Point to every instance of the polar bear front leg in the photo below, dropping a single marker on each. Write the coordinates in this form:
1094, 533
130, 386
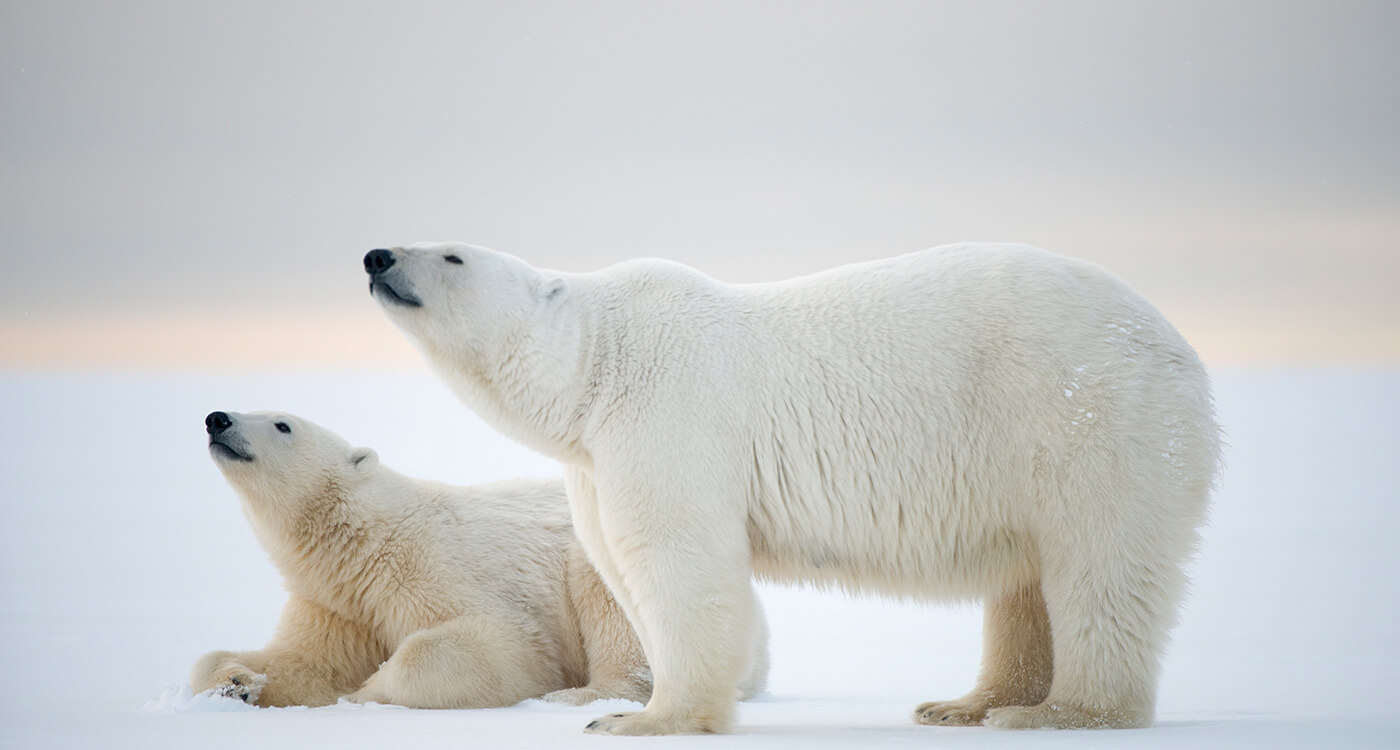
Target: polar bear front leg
756, 675
314, 657
681, 561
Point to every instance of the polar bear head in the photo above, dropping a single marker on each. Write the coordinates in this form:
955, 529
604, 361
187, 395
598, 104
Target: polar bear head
463, 303
281, 464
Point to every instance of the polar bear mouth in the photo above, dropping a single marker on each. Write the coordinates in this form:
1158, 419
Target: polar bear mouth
226, 451
388, 294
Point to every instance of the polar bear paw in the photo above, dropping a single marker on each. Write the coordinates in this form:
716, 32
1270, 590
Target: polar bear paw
241, 683
579, 696
224, 673
368, 694
627, 690
1055, 716
650, 723
959, 713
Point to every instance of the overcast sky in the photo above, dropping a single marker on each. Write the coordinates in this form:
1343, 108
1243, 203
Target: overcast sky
226, 162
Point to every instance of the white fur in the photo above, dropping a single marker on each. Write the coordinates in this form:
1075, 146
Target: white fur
986, 422
468, 596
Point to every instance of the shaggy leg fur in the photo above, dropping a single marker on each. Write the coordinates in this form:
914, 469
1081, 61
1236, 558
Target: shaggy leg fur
1016, 661
1109, 613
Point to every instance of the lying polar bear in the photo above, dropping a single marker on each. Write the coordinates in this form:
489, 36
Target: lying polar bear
417, 593
987, 422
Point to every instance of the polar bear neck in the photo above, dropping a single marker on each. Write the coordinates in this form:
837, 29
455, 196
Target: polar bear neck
536, 388
331, 548
553, 387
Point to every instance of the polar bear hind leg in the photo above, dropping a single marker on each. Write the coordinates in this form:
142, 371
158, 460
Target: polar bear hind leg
468, 662
1016, 661
1111, 597
1105, 658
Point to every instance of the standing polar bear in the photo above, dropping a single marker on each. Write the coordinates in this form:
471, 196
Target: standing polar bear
416, 593
986, 422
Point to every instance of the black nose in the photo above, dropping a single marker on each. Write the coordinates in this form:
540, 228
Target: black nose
217, 422
378, 260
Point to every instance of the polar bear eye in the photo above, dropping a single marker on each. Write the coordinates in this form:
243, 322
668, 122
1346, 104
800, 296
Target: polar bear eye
452, 259
284, 427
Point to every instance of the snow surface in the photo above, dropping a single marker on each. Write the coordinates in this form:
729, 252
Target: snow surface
124, 557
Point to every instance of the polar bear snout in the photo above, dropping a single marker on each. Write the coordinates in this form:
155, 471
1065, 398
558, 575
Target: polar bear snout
217, 422
224, 439
377, 261
388, 286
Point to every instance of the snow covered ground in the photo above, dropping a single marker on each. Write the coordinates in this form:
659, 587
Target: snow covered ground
123, 557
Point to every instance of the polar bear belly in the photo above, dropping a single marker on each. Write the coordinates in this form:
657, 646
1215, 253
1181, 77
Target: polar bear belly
904, 511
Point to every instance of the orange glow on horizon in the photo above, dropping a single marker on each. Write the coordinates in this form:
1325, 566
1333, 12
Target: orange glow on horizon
1248, 336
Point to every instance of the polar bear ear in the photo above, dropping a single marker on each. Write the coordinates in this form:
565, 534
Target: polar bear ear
553, 291
363, 458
